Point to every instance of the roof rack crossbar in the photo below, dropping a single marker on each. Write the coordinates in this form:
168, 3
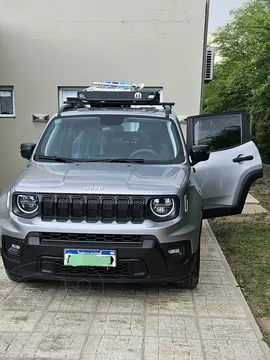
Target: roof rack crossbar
72, 103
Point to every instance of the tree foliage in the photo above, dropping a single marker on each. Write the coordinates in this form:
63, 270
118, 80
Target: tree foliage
242, 77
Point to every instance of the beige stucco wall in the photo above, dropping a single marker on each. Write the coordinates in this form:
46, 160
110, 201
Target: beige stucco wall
44, 45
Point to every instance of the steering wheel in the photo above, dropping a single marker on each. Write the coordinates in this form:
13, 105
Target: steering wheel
153, 154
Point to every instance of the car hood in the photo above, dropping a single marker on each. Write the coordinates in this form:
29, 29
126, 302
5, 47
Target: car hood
102, 178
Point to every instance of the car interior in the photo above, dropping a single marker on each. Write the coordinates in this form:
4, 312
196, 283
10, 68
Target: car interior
132, 138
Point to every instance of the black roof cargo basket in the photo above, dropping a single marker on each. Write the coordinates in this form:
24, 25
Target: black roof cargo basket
143, 96
115, 94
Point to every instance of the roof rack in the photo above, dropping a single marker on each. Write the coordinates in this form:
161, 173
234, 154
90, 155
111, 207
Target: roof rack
116, 94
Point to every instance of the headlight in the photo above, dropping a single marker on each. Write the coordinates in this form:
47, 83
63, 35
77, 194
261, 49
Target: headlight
27, 204
162, 207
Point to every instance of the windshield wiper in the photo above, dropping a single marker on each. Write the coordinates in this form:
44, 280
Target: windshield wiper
54, 158
66, 160
139, 161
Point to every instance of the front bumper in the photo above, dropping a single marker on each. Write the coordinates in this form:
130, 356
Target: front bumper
141, 260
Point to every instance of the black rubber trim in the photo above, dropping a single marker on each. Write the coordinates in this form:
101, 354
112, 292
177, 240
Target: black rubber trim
219, 211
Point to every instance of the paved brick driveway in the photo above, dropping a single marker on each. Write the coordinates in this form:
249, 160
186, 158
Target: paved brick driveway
54, 321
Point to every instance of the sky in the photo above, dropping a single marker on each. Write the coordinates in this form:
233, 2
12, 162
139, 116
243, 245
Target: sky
220, 12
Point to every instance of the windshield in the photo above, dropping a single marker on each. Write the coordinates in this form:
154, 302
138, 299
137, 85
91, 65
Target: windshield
111, 137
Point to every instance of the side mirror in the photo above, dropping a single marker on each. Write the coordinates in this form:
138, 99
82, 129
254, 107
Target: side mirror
27, 150
199, 153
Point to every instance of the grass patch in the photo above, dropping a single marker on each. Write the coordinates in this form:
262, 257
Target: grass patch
246, 245
245, 241
262, 193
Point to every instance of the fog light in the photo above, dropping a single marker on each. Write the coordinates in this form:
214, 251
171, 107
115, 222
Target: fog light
175, 251
15, 246
12, 246
14, 249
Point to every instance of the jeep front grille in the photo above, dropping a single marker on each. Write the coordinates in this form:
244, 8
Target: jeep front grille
79, 208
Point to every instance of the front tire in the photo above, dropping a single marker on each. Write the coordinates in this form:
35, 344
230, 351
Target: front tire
14, 278
192, 280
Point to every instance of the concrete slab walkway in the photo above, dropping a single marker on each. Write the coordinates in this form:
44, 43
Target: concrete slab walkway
253, 206
57, 321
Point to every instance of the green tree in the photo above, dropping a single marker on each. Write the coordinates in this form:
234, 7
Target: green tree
242, 77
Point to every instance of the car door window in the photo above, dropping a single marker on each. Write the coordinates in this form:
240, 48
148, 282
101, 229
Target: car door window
219, 131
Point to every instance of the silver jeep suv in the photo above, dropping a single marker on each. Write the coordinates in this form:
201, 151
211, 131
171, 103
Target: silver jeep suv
113, 192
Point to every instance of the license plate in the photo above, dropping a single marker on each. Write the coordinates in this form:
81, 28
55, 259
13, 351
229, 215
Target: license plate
102, 258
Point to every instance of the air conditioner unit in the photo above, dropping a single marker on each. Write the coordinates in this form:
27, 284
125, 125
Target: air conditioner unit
209, 65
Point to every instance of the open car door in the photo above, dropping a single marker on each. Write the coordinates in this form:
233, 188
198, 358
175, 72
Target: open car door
234, 162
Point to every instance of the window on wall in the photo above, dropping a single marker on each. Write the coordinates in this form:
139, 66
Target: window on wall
65, 92
7, 102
